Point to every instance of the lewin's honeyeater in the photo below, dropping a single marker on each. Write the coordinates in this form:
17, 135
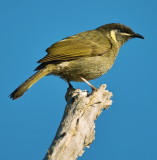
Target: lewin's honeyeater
81, 57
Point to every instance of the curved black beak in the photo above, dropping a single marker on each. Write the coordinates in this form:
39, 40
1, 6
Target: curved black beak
136, 35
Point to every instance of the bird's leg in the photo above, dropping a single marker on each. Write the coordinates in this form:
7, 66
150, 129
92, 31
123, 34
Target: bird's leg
93, 88
70, 85
69, 92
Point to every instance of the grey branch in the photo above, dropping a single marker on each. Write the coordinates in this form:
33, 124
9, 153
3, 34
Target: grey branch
76, 130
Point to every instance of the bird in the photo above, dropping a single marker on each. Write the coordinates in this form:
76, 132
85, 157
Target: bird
81, 57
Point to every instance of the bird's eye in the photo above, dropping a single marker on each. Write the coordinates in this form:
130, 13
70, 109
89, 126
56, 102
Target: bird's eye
120, 30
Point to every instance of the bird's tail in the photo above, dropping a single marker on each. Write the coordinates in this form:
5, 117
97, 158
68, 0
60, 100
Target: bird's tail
30, 81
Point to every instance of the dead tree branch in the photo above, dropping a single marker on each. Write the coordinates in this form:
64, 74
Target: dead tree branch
76, 130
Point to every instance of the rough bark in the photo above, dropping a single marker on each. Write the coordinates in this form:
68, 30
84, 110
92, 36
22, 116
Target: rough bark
77, 128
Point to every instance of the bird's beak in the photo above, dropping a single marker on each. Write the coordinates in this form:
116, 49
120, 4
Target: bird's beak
136, 35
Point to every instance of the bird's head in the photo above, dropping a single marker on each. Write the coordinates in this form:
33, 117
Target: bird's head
119, 32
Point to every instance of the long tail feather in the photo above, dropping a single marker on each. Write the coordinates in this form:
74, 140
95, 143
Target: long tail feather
29, 82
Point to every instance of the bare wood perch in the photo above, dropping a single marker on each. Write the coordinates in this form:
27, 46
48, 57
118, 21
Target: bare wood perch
76, 130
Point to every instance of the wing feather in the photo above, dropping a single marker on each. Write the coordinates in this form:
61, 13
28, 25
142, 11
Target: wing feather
80, 45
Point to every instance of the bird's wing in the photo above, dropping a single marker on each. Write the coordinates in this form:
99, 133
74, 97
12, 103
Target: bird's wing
85, 44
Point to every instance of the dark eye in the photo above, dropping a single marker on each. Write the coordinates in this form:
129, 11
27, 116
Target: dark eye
121, 30
124, 30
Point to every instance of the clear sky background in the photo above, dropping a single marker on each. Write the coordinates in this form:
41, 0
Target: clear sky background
128, 129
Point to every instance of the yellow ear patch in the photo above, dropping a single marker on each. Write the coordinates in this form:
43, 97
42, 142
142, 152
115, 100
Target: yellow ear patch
113, 35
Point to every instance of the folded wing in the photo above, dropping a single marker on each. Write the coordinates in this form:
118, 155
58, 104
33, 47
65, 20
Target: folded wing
84, 44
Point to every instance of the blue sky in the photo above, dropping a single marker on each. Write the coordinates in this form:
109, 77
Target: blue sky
128, 129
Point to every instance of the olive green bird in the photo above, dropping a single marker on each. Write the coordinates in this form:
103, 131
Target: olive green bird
81, 57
